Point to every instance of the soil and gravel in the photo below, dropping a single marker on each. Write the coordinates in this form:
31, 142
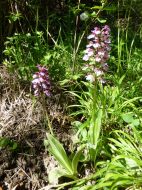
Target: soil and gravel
24, 161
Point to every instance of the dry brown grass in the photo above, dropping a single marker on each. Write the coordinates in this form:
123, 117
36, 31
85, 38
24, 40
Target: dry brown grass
22, 121
17, 113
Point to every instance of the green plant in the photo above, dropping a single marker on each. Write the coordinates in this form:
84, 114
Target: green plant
7, 143
90, 131
124, 169
68, 167
23, 52
126, 160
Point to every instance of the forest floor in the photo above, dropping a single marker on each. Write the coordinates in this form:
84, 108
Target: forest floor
24, 161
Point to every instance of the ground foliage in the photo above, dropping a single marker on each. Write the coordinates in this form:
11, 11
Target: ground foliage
85, 135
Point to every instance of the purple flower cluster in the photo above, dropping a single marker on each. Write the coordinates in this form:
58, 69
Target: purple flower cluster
97, 53
41, 82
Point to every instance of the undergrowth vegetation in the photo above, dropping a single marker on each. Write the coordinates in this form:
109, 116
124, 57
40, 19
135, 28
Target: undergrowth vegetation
90, 53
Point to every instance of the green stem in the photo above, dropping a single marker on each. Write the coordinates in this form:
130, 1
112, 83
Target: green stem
84, 180
49, 123
47, 116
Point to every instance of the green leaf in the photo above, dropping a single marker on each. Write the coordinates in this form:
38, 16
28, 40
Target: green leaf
94, 133
55, 174
46, 143
94, 14
110, 8
129, 102
59, 153
65, 81
128, 117
76, 158
131, 162
98, 121
101, 20
76, 124
123, 181
97, 7
14, 146
101, 185
136, 122
95, 128
77, 76
4, 142
7, 143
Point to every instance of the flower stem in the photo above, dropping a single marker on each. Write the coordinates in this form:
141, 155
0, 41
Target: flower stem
47, 115
49, 123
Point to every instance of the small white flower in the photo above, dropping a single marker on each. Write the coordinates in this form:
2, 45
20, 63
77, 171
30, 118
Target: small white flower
42, 74
98, 59
97, 32
89, 45
41, 80
86, 58
34, 86
90, 78
107, 41
90, 53
90, 36
88, 50
44, 86
35, 76
98, 72
36, 81
96, 45
102, 81
101, 53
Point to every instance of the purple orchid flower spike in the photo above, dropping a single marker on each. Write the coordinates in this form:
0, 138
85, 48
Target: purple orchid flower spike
97, 52
41, 81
